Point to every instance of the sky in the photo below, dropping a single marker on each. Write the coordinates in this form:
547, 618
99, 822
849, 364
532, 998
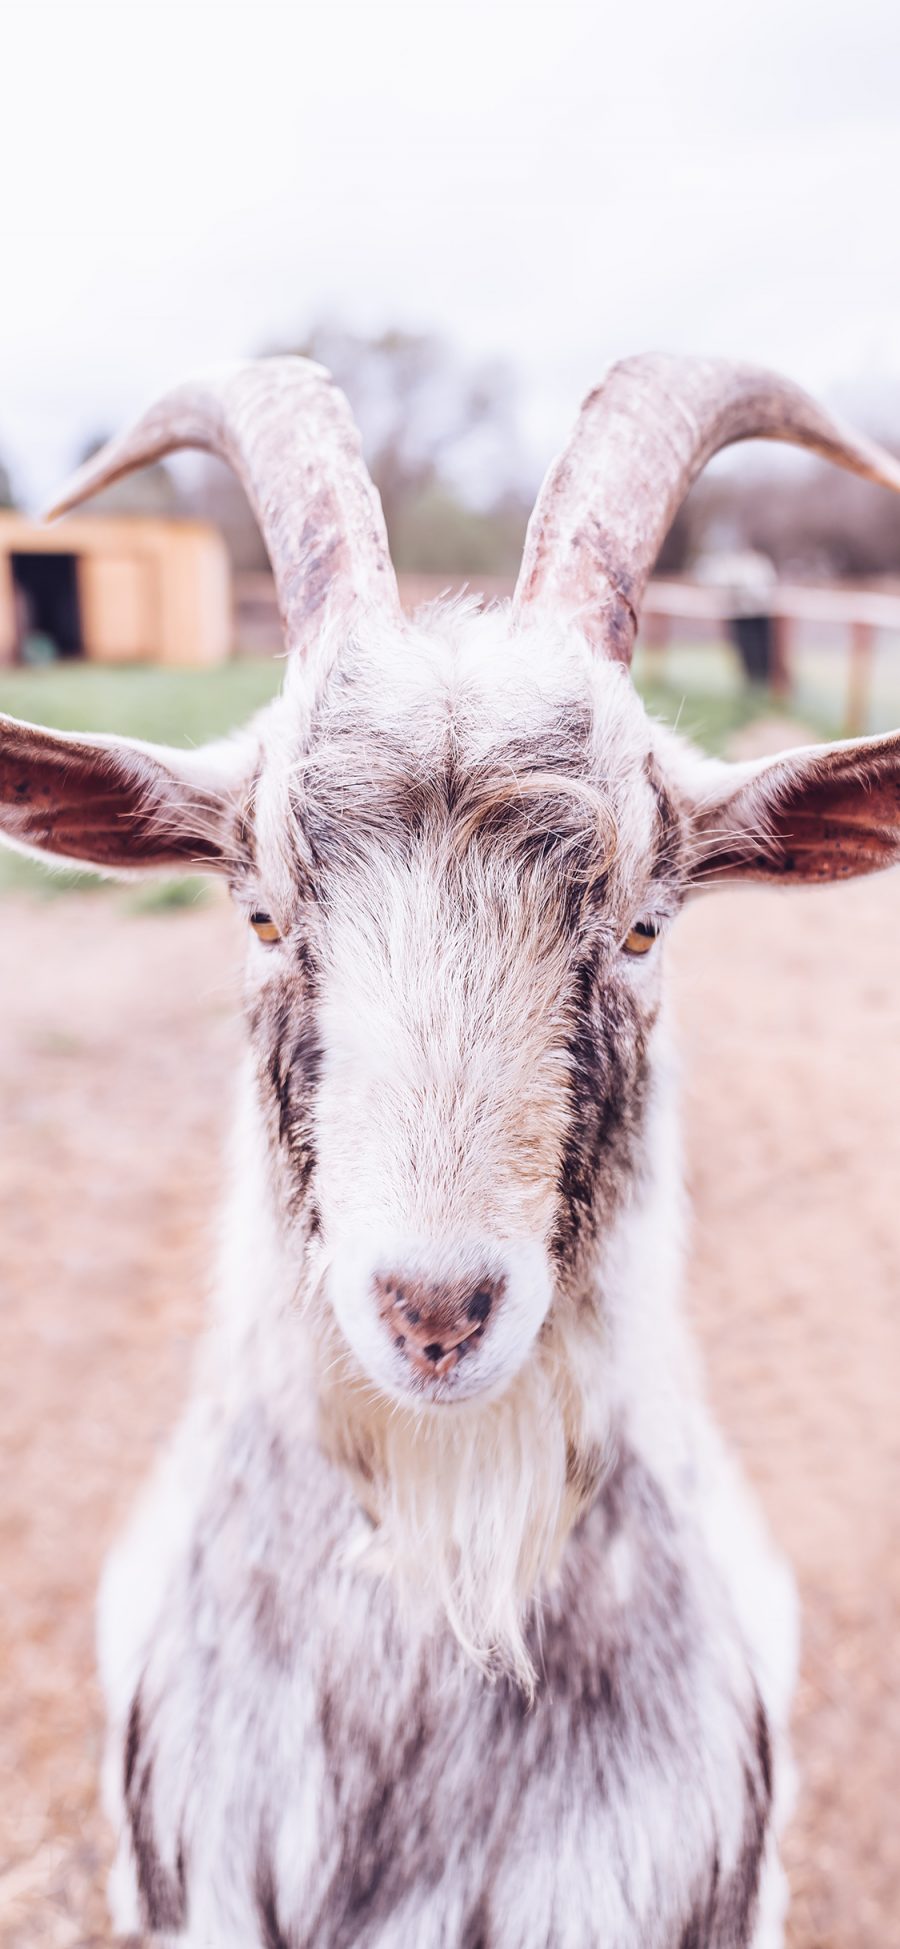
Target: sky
549, 182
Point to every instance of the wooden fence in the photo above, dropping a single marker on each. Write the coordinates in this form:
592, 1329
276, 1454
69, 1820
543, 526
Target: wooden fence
864, 614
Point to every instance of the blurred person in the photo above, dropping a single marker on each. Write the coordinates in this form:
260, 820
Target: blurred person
748, 579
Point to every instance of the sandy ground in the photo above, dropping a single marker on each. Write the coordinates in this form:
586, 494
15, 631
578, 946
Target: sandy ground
116, 1039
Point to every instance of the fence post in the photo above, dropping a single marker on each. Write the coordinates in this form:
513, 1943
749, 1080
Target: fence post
781, 676
859, 684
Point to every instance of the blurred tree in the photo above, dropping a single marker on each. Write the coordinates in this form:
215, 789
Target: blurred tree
217, 495
7, 494
813, 520
439, 441
679, 544
152, 491
436, 533
420, 411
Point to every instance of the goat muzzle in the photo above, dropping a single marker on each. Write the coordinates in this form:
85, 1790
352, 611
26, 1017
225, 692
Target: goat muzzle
435, 1325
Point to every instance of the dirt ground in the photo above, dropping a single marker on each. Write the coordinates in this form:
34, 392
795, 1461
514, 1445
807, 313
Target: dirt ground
116, 1039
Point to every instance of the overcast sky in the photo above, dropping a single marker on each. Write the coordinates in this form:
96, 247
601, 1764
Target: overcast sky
554, 182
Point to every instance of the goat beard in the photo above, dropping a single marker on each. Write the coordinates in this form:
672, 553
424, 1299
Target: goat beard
471, 1509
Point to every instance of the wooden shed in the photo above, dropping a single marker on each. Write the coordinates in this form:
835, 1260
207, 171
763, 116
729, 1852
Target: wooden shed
114, 588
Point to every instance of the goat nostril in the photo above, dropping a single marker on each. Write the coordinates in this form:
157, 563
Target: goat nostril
434, 1351
479, 1307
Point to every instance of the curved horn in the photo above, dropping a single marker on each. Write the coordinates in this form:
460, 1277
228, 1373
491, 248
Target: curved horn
289, 434
640, 440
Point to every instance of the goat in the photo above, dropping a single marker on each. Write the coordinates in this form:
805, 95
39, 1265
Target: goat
447, 1622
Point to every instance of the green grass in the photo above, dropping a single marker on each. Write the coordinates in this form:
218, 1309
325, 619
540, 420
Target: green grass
704, 716
166, 706
697, 689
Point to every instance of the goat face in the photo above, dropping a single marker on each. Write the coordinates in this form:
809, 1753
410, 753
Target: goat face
458, 839
464, 845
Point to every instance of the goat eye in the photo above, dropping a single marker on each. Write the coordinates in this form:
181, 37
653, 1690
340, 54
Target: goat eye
641, 938
264, 928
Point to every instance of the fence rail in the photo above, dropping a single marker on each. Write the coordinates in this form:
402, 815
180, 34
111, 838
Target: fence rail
865, 614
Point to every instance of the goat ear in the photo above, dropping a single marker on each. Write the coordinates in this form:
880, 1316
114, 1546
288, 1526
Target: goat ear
829, 812
118, 805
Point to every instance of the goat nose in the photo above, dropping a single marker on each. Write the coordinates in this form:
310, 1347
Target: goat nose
435, 1325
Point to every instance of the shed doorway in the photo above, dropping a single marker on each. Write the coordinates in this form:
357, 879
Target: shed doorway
48, 612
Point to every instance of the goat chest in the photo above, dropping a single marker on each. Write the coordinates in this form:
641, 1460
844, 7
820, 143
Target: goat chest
300, 1765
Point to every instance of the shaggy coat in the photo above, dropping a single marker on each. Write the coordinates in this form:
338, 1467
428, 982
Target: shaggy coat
380, 1675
